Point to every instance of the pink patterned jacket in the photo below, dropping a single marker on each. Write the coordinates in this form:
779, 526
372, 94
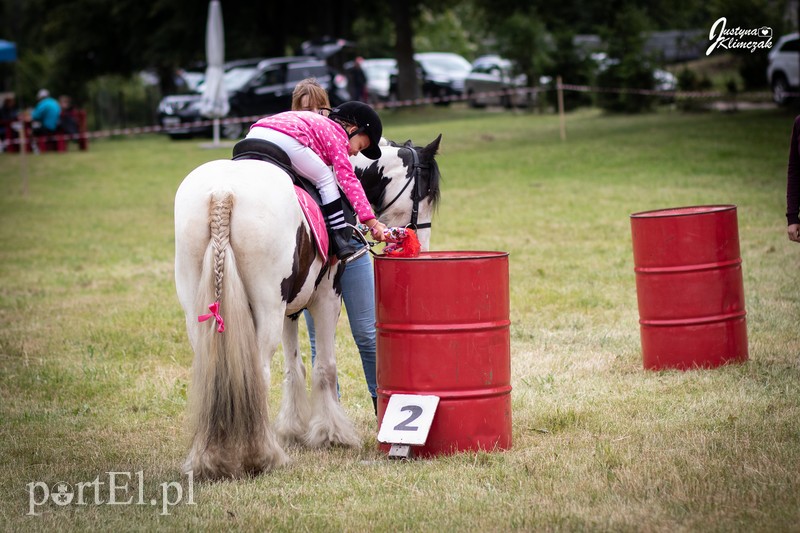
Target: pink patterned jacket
329, 141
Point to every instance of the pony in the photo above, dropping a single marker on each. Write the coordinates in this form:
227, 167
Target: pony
244, 252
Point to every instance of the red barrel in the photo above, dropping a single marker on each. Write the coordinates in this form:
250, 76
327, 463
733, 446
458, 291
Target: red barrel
443, 330
689, 287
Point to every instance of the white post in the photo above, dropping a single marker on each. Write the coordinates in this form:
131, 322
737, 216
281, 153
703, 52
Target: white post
216, 131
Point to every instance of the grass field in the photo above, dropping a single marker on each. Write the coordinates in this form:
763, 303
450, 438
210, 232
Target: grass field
94, 361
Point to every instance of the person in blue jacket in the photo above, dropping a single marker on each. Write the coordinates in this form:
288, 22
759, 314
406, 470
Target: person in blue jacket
47, 113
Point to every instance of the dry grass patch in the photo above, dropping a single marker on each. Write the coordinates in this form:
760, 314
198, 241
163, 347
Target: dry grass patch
94, 361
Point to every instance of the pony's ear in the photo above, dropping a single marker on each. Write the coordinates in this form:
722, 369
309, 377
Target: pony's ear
408, 144
433, 148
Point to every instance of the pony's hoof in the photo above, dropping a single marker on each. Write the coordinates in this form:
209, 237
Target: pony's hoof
213, 464
322, 437
291, 440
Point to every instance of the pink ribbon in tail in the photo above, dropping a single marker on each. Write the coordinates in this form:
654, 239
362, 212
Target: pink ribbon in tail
214, 308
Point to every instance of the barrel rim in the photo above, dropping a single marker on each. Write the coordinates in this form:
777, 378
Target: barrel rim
690, 210
440, 255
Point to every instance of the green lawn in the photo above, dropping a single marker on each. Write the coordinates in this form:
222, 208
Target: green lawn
94, 360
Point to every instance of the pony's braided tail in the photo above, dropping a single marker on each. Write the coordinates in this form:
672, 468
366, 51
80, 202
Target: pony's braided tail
220, 223
228, 402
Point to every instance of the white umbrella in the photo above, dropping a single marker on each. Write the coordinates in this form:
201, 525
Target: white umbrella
214, 103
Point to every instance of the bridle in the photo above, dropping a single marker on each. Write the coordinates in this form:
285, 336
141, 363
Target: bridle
416, 196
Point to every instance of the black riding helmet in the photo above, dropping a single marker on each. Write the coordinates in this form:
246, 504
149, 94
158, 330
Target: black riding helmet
367, 121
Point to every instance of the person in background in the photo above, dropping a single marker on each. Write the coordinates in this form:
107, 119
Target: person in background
793, 184
69, 124
9, 111
47, 113
8, 114
358, 285
358, 81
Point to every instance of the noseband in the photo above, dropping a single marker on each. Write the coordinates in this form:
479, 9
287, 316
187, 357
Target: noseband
416, 196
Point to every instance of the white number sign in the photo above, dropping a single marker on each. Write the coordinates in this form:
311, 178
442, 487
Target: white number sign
408, 419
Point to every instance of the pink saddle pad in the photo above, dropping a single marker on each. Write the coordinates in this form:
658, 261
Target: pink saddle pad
315, 219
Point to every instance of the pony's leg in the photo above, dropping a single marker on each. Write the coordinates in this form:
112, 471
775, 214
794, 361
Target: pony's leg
329, 424
292, 422
268, 334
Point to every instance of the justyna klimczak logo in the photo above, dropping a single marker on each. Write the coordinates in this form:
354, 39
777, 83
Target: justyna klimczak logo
116, 488
738, 38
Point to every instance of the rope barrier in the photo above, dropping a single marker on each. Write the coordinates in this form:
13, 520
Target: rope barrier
526, 93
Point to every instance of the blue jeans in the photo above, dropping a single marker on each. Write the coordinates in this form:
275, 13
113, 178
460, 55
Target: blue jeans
358, 293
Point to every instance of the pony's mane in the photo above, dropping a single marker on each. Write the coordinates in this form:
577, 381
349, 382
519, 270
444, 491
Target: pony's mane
433, 185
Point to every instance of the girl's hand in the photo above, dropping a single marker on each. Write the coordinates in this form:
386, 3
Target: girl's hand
377, 228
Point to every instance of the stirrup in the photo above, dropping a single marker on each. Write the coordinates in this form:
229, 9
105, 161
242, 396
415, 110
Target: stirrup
354, 255
361, 251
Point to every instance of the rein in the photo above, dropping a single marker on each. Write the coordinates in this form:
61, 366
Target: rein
415, 195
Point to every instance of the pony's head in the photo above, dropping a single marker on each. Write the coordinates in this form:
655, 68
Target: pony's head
403, 185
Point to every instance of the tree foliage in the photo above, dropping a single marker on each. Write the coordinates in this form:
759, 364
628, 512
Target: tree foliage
628, 66
66, 43
78, 40
454, 30
523, 38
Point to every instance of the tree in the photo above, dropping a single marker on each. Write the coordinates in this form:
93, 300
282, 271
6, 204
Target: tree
522, 37
456, 29
627, 66
403, 12
574, 66
79, 40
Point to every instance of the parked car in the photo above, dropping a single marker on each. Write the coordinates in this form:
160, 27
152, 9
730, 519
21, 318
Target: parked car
190, 80
663, 80
335, 52
378, 73
489, 76
783, 72
253, 90
441, 74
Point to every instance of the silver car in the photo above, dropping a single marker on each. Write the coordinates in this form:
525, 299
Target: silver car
490, 81
783, 72
378, 73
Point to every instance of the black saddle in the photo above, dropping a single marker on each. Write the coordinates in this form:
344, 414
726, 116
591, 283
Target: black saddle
267, 151
262, 150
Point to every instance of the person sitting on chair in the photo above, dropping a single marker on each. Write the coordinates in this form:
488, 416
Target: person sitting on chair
313, 142
47, 112
68, 123
8, 114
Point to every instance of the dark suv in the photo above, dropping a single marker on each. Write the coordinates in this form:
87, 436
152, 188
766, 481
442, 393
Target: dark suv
253, 90
441, 74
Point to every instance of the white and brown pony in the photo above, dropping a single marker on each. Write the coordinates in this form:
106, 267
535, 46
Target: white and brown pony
245, 267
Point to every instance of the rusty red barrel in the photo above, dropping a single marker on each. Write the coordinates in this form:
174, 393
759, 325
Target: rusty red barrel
443, 330
689, 287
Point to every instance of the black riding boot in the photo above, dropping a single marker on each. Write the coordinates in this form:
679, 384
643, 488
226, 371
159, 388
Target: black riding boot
339, 233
